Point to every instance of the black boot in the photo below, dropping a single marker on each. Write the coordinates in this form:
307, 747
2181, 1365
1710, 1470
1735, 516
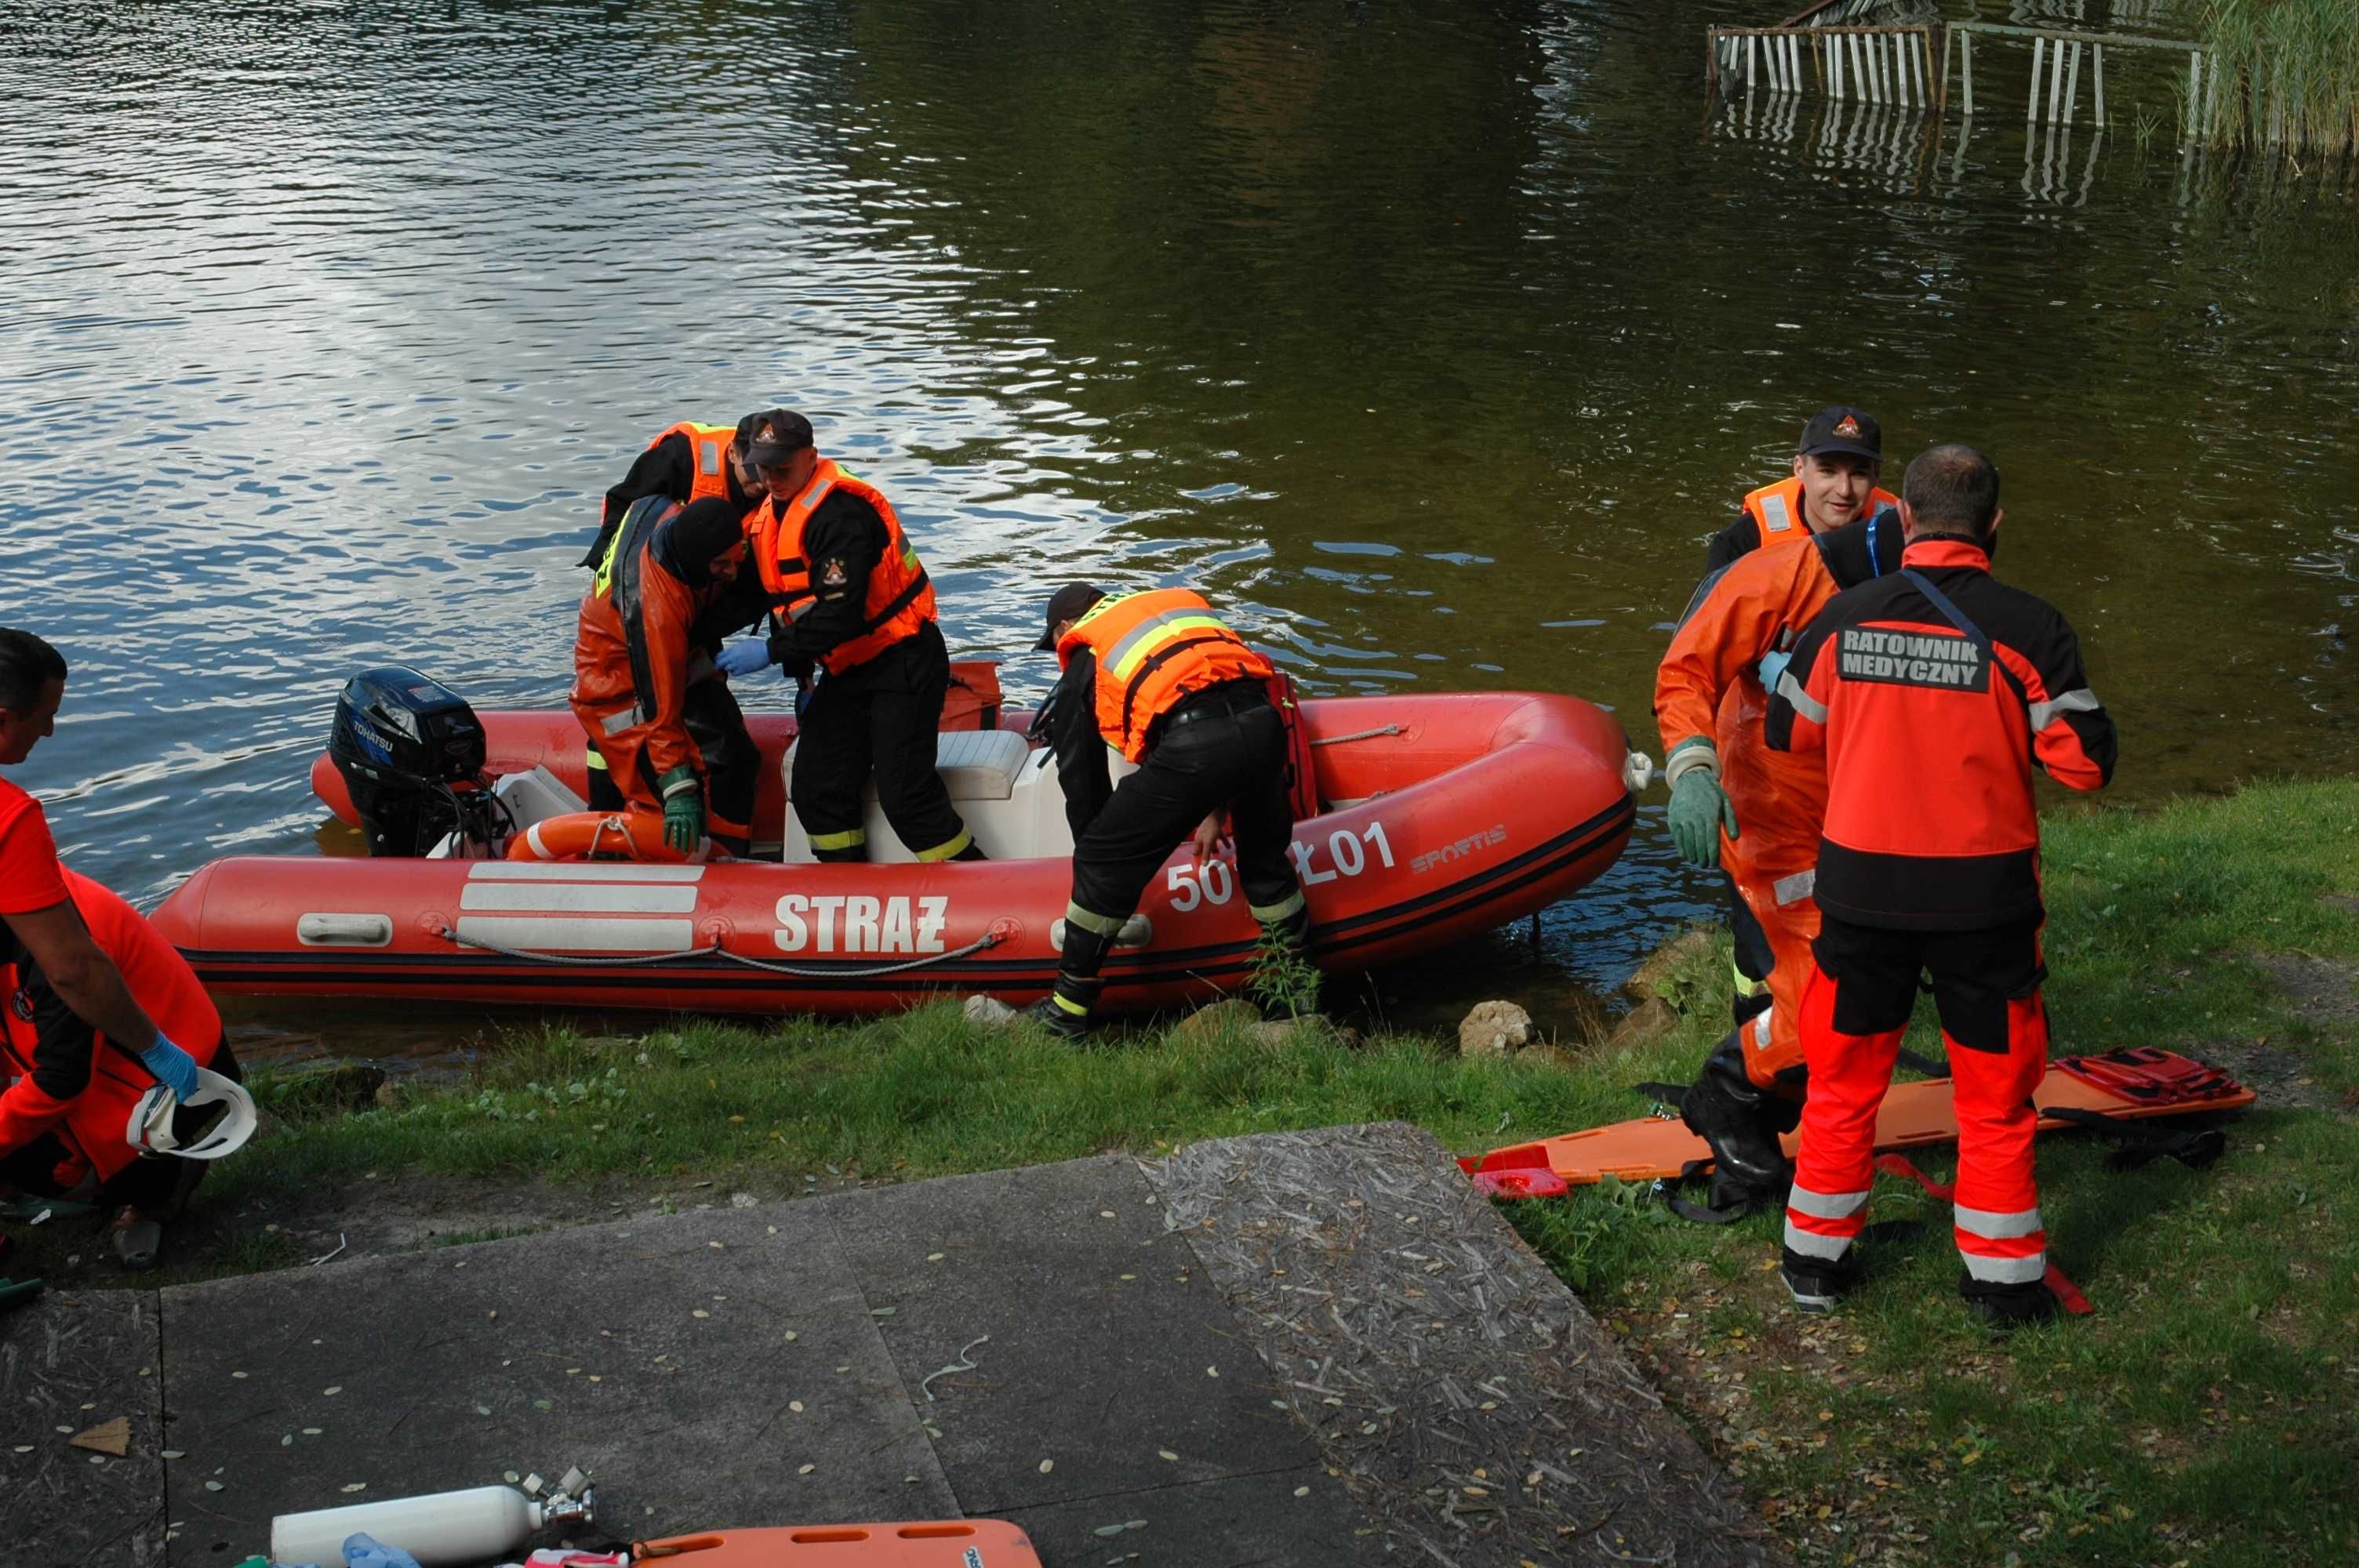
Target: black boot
2005, 1308
974, 852
1741, 1122
1065, 1011
1818, 1284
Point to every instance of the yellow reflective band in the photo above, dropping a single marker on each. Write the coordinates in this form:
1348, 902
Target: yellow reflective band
1066, 1004
597, 760
1140, 648
851, 840
1090, 920
944, 851
1270, 914
1746, 985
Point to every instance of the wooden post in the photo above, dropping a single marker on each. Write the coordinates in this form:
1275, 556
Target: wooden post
1834, 67
1752, 54
1966, 80
2073, 84
2055, 78
2195, 93
2032, 113
2097, 75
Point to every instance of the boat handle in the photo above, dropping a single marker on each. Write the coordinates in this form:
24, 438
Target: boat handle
344, 931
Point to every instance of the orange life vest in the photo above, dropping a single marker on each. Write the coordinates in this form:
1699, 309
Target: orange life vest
1153, 649
709, 444
900, 598
1776, 511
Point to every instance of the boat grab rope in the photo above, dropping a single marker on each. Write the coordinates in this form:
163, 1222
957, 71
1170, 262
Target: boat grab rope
1354, 735
576, 960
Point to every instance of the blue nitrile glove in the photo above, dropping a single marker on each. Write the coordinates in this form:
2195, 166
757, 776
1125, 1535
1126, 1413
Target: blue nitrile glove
683, 804
1772, 669
173, 1067
362, 1549
743, 656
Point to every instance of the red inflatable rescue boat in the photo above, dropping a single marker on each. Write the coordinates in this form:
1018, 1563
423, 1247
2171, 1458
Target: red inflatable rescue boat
1438, 817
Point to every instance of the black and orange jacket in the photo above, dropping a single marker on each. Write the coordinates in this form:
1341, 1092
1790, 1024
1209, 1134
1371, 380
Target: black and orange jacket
1931, 824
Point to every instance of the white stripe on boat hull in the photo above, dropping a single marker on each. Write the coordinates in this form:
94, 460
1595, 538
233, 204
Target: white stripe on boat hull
562, 935
583, 898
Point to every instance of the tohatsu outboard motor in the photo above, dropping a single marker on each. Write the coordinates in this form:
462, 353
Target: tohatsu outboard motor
411, 754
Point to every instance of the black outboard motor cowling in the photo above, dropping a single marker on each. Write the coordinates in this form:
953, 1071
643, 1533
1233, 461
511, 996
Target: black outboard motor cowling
411, 754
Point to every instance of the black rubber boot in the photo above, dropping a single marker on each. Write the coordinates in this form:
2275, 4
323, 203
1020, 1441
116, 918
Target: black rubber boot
2005, 1308
1065, 1011
1741, 1122
974, 852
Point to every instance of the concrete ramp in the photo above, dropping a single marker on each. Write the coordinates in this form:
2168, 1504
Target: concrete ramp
1316, 1349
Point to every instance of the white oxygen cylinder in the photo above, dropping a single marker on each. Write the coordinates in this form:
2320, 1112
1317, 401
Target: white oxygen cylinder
443, 1530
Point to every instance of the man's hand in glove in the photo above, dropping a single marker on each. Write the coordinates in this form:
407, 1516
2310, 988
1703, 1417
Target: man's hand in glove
745, 657
683, 806
1698, 805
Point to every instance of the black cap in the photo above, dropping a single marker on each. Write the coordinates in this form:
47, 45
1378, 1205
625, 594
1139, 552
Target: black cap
1070, 603
1842, 430
773, 436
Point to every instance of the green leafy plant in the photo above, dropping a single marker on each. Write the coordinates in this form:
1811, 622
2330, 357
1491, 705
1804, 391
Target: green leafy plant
1284, 979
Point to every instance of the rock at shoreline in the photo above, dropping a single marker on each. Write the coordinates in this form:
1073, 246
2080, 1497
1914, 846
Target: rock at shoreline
1495, 1029
988, 1012
1234, 1013
1650, 1021
1654, 977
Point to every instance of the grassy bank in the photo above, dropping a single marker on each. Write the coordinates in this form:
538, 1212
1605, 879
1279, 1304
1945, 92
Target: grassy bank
2205, 1415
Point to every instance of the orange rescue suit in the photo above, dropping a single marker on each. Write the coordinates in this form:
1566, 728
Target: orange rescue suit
1709, 686
1152, 649
900, 598
90, 1115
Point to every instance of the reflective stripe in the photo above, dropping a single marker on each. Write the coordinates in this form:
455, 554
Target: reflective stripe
1090, 920
1744, 984
1811, 1244
945, 851
616, 724
1796, 888
1774, 514
1067, 1004
1825, 1205
2082, 700
819, 487
1761, 1029
597, 760
2006, 1271
1809, 706
708, 456
852, 840
1997, 1225
1143, 639
1271, 913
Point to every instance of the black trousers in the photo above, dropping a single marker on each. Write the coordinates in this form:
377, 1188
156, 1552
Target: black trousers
883, 714
150, 1183
733, 763
1237, 760
1974, 976
1753, 959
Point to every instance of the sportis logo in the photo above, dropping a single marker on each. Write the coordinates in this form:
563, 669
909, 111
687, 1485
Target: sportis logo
1936, 660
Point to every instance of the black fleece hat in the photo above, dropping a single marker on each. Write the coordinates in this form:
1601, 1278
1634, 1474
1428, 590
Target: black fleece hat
1070, 603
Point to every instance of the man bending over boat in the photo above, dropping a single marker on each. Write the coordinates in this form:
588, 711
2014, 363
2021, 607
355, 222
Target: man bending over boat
78, 967
657, 713
1157, 676
1761, 817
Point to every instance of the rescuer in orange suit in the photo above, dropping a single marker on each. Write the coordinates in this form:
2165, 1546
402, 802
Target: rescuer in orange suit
1836, 464
1932, 692
656, 711
847, 595
1709, 694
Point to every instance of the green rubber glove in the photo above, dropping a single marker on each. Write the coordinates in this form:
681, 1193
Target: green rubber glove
683, 804
1698, 807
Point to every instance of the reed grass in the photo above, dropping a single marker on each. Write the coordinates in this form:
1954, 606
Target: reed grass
2287, 76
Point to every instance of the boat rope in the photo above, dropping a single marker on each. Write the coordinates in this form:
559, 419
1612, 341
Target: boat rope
576, 960
1354, 735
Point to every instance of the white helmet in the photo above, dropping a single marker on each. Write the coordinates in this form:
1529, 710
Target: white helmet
150, 1129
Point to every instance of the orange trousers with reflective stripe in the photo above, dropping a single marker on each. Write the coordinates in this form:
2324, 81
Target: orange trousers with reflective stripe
1852, 1023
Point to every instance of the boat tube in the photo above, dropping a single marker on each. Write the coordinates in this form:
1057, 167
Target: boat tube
1440, 818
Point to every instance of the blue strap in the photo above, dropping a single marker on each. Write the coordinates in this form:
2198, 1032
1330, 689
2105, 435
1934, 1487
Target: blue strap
1875, 567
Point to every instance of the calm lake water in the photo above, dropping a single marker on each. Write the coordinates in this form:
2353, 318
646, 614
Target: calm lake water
1430, 339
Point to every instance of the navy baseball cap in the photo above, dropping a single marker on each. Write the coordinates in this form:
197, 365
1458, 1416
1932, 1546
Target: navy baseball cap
1842, 430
